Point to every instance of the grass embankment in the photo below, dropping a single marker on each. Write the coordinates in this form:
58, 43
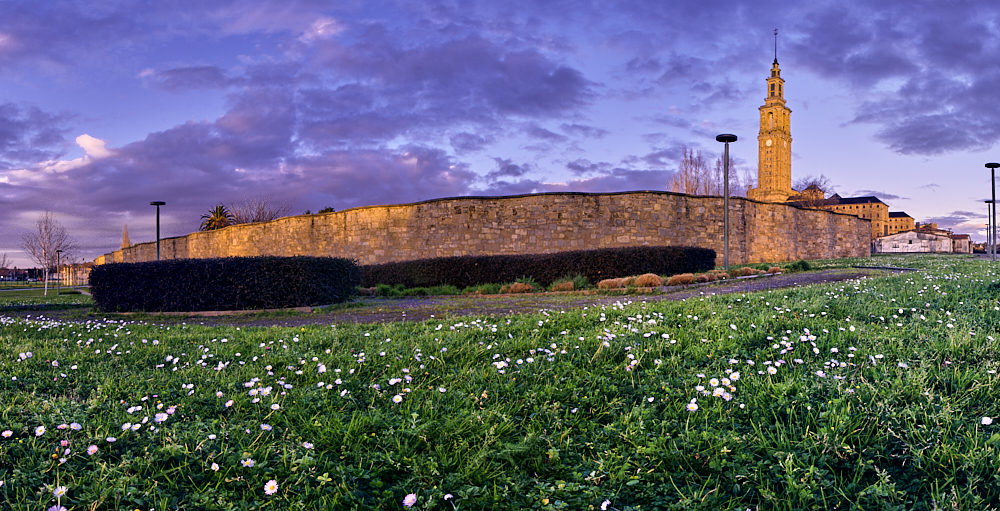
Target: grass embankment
875, 394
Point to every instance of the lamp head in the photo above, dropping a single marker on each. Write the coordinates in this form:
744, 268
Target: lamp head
992, 165
157, 203
725, 137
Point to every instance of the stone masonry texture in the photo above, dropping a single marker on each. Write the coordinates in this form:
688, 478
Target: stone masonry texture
537, 223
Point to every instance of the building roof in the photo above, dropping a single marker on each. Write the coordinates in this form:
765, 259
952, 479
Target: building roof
836, 200
960, 237
898, 214
869, 199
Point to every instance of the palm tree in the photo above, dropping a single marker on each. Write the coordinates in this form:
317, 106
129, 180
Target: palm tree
217, 218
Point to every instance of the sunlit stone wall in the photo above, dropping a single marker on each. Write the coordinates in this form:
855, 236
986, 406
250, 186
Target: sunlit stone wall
537, 223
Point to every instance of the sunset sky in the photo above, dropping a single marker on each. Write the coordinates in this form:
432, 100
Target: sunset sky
108, 105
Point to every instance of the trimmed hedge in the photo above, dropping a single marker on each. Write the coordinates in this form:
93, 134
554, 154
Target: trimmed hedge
232, 283
596, 265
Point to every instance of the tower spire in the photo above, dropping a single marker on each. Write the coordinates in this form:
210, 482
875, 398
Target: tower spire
775, 46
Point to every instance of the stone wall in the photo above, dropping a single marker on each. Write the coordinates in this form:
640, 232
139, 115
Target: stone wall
537, 223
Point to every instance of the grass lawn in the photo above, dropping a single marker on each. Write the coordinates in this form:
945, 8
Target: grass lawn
871, 394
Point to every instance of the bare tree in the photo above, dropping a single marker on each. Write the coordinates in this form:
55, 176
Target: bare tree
257, 209
692, 174
813, 190
44, 244
822, 182
4, 262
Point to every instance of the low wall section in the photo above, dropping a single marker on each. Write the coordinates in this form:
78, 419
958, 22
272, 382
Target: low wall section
537, 223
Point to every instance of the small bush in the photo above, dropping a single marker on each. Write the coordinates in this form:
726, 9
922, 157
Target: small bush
483, 289
748, 271
578, 282
517, 287
367, 291
611, 284
681, 280
800, 265
563, 286
704, 277
774, 269
735, 272
648, 280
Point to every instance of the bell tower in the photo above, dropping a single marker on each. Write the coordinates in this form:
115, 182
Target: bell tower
774, 149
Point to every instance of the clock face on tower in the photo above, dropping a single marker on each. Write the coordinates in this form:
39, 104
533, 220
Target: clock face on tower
768, 143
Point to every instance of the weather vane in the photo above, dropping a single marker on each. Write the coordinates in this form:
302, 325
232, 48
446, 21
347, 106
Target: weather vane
775, 45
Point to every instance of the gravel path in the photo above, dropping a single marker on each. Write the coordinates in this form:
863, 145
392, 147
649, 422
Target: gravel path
383, 310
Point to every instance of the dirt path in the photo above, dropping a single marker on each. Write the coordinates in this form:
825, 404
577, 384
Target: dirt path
384, 310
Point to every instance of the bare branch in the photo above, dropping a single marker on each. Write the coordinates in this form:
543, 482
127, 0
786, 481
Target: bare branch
44, 244
5, 262
258, 209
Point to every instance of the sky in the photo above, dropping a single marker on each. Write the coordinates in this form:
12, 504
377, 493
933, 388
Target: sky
106, 106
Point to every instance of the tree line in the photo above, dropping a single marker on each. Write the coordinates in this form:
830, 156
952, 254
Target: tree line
696, 176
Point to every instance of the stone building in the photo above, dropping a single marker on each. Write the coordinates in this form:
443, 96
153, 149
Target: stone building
774, 170
961, 244
869, 208
913, 242
899, 221
774, 144
923, 241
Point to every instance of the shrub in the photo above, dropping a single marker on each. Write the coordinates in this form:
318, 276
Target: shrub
747, 271
517, 287
483, 289
717, 275
681, 280
800, 265
232, 283
648, 280
704, 277
774, 269
594, 265
563, 286
578, 282
611, 284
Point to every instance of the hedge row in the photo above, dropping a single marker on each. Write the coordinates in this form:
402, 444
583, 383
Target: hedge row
596, 265
232, 283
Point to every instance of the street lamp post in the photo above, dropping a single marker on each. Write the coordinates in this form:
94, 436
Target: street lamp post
725, 138
989, 209
993, 186
157, 203
58, 276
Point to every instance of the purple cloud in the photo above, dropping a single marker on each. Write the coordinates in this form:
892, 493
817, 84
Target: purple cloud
29, 135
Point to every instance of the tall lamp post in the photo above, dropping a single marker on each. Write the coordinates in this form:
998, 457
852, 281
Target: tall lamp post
157, 203
988, 210
993, 185
725, 138
58, 276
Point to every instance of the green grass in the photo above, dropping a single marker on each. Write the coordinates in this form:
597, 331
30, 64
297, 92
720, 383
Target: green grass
556, 410
17, 300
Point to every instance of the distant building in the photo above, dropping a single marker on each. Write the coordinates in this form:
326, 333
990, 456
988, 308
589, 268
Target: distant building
961, 244
913, 242
900, 222
923, 241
